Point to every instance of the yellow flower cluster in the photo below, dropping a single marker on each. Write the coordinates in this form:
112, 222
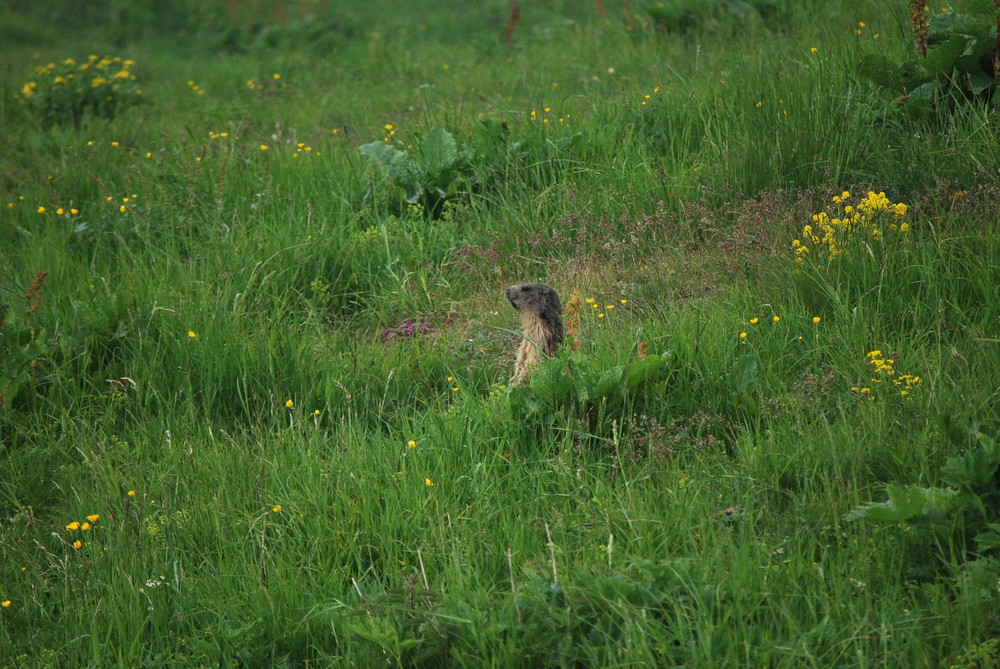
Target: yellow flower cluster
77, 526
270, 85
302, 148
832, 235
66, 90
884, 371
535, 116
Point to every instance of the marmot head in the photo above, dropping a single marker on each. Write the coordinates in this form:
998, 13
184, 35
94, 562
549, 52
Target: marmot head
535, 298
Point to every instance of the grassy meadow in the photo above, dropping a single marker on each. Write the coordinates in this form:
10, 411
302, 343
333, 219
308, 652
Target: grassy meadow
255, 349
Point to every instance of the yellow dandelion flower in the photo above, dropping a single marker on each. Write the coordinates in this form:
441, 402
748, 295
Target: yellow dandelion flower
41, 210
77, 544
276, 508
316, 412
131, 493
411, 443
813, 50
428, 483
93, 518
776, 319
5, 603
85, 527
754, 320
624, 301
73, 527
816, 319
600, 315
74, 212
263, 147
743, 335
289, 404
192, 334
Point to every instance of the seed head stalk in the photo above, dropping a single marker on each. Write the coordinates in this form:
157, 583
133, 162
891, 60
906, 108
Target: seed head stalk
919, 24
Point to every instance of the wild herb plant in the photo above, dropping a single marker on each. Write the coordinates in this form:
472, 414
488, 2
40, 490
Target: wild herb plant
958, 62
959, 524
71, 90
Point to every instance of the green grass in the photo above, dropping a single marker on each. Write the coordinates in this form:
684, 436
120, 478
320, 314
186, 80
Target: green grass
204, 366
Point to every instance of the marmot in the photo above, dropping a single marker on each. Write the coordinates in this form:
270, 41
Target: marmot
541, 325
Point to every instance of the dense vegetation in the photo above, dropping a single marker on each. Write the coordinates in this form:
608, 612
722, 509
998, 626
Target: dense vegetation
254, 345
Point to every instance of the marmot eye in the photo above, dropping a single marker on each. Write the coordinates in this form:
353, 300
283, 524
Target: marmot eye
525, 289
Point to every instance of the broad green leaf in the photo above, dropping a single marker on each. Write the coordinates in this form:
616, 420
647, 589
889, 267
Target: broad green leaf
906, 503
611, 380
973, 470
940, 60
399, 168
549, 380
744, 374
988, 541
943, 26
979, 82
644, 369
438, 151
584, 379
524, 403
566, 142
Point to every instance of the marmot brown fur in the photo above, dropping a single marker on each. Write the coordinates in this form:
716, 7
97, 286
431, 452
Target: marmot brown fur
541, 325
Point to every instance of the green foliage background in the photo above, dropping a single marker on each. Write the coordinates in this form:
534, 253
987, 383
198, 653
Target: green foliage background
209, 340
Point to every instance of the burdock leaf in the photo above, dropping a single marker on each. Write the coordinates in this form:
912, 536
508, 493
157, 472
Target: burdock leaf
399, 168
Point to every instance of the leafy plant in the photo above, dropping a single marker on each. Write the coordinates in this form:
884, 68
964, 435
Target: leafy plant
66, 92
438, 169
429, 174
958, 64
970, 498
571, 384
